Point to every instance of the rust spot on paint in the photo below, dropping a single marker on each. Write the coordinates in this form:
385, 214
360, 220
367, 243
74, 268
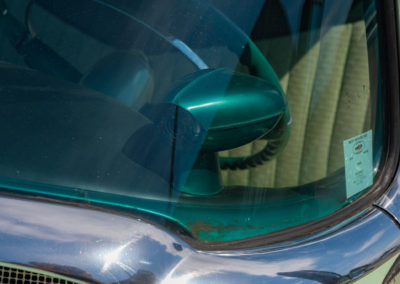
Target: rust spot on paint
201, 226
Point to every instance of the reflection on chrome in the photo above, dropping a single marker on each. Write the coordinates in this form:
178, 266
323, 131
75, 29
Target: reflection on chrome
114, 257
390, 201
170, 279
111, 258
109, 248
180, 280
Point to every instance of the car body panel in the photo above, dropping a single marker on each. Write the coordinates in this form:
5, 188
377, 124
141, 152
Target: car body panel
106, 247
391, 200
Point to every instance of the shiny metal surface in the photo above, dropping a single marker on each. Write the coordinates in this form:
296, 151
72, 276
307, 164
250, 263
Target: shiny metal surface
390, 202
104, 247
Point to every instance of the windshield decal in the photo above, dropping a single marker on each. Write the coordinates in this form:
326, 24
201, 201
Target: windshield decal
358, 163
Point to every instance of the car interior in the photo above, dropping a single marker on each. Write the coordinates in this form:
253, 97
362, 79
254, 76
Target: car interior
320, 57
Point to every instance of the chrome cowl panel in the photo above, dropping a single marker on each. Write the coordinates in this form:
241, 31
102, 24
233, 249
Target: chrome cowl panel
390, 202
109, 248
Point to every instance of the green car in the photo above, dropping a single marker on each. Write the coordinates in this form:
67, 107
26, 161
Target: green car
199, 141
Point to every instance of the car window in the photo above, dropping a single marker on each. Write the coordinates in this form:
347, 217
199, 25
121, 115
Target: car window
231, 121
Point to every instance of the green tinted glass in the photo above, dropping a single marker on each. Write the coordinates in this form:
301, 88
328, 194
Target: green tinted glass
230, 120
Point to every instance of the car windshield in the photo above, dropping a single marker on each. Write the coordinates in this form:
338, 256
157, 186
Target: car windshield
231, 119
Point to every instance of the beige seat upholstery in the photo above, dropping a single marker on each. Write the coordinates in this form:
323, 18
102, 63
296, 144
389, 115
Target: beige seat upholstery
327, 89
328, 94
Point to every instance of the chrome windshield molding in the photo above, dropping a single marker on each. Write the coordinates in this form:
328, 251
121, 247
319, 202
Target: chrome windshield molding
107, 248
390, 201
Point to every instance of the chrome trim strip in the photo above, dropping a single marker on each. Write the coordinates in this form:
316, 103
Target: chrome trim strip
390, 201
105, 247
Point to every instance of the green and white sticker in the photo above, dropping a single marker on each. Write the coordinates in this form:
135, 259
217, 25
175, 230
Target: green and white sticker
358, 163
